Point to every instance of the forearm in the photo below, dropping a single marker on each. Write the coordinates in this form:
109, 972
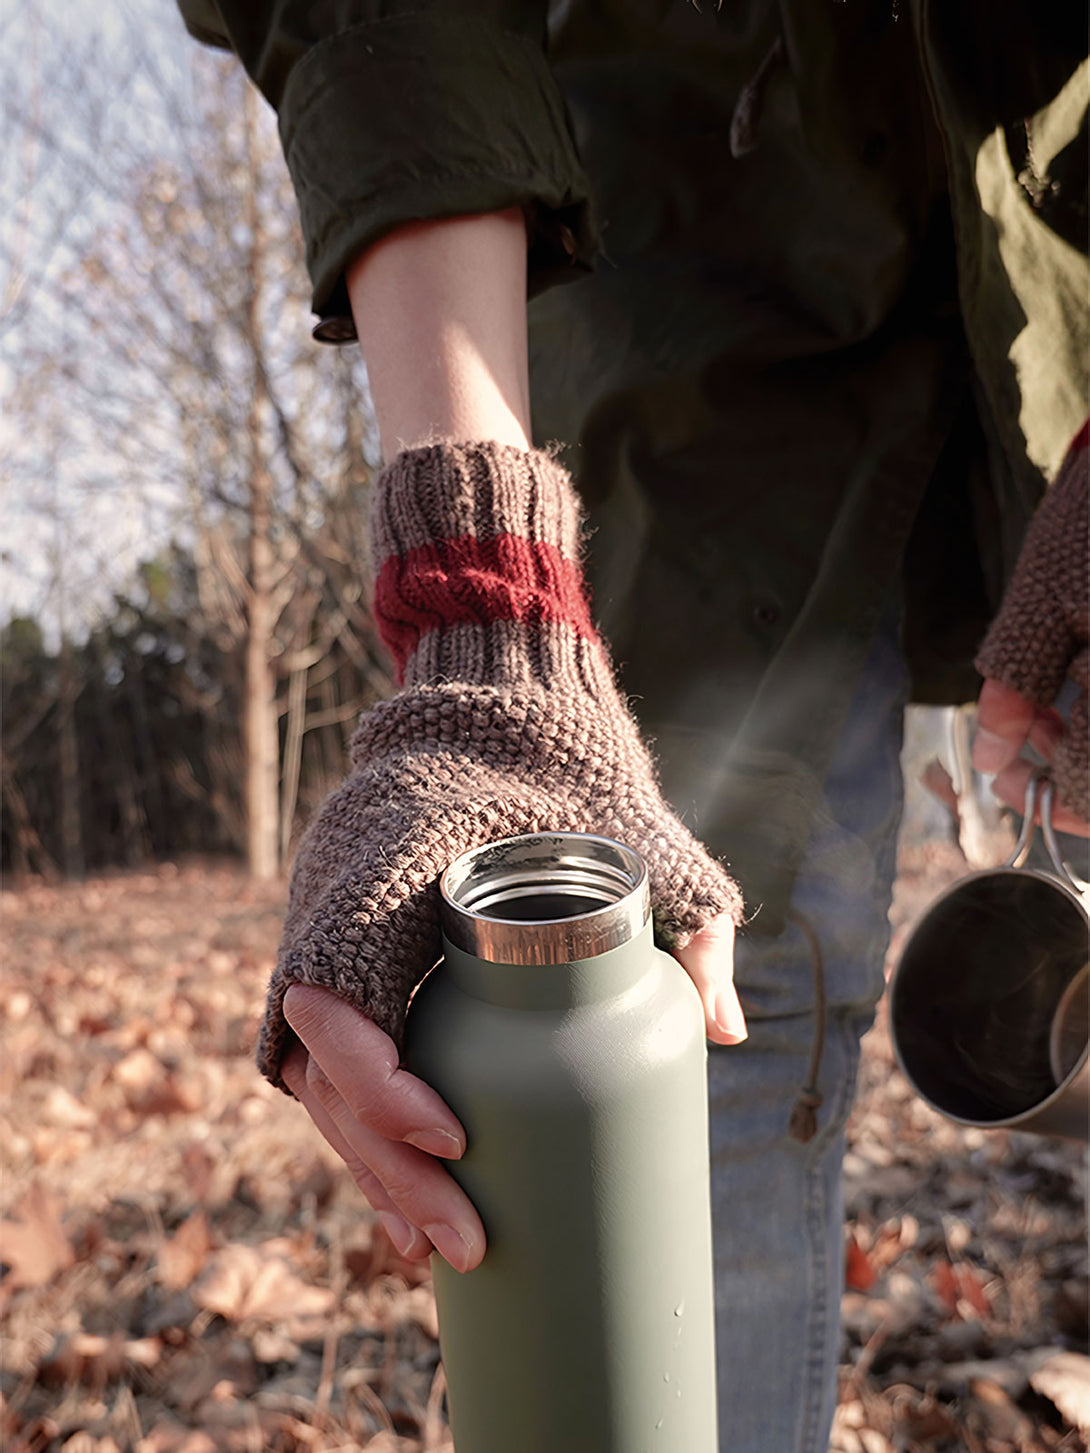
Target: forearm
440, 308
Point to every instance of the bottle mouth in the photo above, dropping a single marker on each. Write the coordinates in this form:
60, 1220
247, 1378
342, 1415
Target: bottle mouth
545, 898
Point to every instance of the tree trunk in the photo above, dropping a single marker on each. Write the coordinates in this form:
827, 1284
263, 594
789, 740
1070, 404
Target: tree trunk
149, 780
71, 828
26, 845
135, 847
262, 737
293, 756
262, 727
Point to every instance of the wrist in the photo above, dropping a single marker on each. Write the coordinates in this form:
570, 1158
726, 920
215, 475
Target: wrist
478, 579
440, 310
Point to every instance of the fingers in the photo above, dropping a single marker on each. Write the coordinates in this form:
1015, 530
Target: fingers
708, 959
409, 1242
417, 1185
1006, 724
1046, 732
1010, 787
375, 1116
362, 1062
1004, 719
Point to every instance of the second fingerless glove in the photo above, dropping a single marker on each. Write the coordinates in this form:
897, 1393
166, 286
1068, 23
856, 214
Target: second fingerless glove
1039, 636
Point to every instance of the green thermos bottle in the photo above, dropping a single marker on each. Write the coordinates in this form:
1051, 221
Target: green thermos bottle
573, 1052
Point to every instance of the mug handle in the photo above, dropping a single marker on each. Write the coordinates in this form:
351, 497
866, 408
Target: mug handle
1040, 785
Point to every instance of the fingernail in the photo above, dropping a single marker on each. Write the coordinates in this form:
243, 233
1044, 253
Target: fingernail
729, 1016
398, 1230
990, 752
449, 1244
436, 1142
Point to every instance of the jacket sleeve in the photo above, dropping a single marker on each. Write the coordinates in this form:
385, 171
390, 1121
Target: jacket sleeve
392, 113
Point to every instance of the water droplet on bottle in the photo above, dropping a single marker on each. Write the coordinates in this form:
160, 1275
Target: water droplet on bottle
679, 1309
666, 1377
658, 1425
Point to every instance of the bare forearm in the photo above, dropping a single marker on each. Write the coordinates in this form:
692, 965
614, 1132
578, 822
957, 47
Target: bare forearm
440, 308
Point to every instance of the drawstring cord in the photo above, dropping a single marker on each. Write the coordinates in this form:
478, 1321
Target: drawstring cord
803, 1124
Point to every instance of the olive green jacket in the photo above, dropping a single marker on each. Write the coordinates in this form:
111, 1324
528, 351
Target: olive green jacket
823, 335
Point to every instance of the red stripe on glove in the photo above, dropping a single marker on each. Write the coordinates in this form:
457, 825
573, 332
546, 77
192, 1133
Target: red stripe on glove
473, 581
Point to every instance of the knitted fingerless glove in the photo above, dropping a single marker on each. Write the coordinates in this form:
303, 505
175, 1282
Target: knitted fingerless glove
510, 722
1039, 637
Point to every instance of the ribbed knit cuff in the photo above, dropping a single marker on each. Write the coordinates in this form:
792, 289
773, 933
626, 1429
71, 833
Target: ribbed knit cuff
475, 549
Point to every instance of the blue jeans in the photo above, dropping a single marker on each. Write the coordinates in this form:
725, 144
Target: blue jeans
776, 1204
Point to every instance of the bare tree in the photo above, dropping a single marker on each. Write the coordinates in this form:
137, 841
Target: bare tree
179, 348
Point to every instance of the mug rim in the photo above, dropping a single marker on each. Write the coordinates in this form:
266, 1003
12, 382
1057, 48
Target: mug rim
1022, 1119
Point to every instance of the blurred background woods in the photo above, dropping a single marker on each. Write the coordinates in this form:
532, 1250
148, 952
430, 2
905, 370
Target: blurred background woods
184, 648
184, 639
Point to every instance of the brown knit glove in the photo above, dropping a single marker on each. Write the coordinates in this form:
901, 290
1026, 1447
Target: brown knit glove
509, 723
1039, 637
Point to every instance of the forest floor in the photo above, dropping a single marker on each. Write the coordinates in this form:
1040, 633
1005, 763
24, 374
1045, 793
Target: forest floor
187, 1269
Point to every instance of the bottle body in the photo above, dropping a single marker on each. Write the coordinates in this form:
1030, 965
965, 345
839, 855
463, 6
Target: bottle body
589, 1326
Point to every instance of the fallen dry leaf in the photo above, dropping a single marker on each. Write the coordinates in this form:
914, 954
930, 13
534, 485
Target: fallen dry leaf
859, 1274
33, 1244
183, 1256
150, 1088
196, 1372
995, 1414
924, 1418
173, 1438
1064, 1378
93, 1360
81, 1442
244, 1282
197, 1168
961, 1290
62, 1109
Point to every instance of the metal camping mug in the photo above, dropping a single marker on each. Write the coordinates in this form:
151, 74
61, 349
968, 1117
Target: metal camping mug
990, 1001
573, 1052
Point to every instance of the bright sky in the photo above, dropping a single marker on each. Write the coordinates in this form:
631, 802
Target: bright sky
65, 539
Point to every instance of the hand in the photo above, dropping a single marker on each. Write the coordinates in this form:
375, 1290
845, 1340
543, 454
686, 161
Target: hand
1006, 724
1036, 643
386, 1125
543, 743
391, 1129
510, 723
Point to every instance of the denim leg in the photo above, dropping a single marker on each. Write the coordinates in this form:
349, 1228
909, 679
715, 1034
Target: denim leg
777, 1204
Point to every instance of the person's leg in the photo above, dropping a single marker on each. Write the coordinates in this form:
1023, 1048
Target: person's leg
776, 1203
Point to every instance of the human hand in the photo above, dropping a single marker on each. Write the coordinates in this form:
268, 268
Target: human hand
510, 723
1007, 723
1038, 641
389, 1127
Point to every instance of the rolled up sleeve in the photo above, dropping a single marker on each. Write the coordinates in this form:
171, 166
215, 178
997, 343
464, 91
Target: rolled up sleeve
414, 116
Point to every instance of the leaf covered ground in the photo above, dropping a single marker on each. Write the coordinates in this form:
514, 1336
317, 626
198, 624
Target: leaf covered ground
186, 1269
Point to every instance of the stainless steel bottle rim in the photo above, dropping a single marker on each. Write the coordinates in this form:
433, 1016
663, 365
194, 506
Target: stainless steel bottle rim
545, 898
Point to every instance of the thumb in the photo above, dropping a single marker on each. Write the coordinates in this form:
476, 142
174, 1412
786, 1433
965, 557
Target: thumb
708, 959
